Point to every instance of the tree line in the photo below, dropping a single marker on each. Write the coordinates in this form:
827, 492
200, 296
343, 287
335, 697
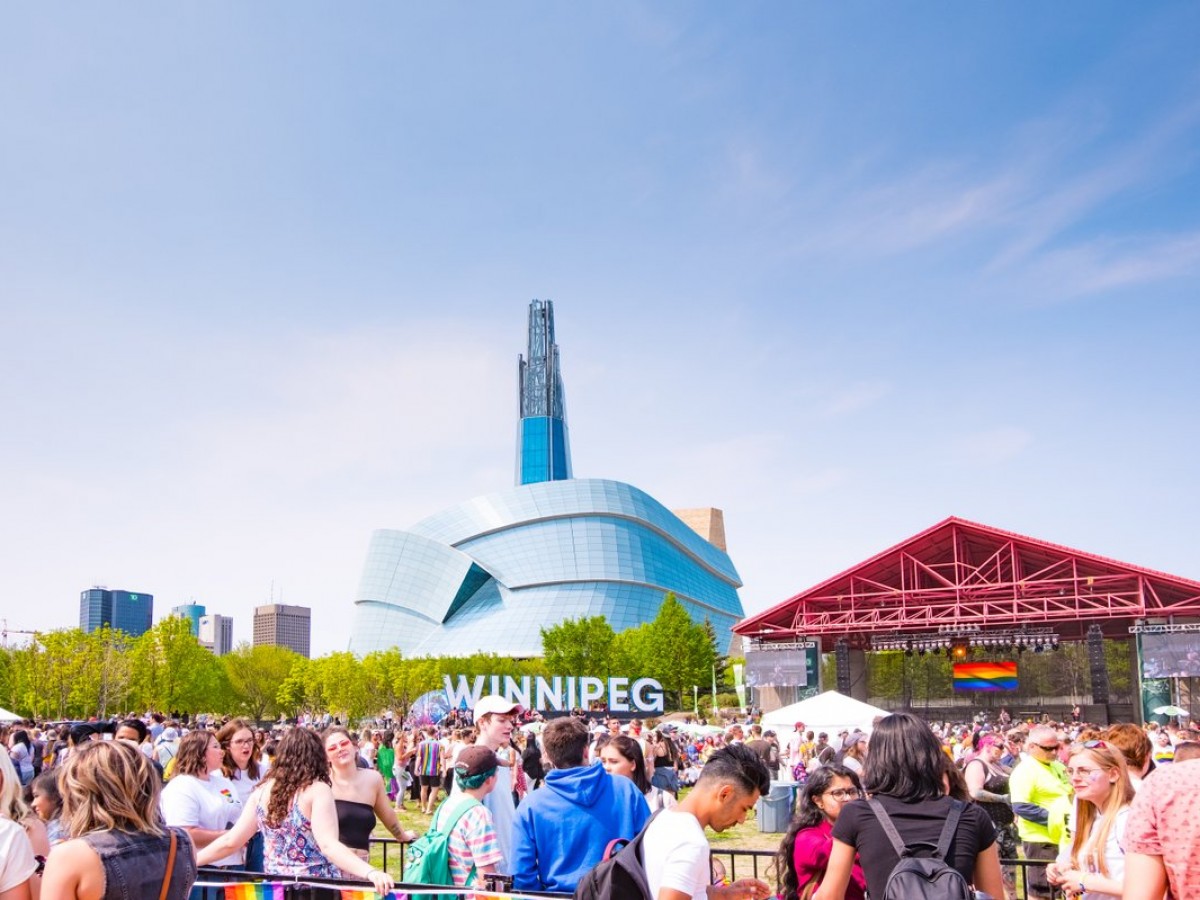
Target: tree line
72, 674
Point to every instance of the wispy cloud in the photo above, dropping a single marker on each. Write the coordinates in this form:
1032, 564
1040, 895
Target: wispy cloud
1014, 220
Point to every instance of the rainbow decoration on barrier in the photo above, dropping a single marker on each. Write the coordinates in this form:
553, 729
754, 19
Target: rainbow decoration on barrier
985, 676
254, 891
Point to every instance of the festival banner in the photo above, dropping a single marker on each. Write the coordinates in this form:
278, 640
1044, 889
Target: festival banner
254, 891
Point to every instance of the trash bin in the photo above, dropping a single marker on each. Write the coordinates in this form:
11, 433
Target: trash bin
774, 811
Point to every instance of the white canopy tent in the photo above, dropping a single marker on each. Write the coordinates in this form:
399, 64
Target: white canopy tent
829, 712
6, 716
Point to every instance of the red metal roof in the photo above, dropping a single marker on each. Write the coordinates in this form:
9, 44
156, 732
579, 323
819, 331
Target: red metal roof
962, 574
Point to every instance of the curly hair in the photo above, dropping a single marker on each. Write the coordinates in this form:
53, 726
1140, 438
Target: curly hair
1132, 742
300, 761
225, 736
808, 816
110, 786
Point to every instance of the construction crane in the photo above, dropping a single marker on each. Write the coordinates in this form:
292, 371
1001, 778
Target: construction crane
5, 630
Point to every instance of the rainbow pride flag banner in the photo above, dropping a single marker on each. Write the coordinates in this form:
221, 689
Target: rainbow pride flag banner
360, 894
254, 891
985, 676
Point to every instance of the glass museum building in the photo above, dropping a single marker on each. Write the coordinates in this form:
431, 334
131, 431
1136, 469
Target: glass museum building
489, 573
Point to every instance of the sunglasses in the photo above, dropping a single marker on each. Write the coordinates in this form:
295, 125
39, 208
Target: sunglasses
1093, 745
1052, 749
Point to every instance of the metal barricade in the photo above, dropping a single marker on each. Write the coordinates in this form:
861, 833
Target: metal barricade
760, 864
215, 882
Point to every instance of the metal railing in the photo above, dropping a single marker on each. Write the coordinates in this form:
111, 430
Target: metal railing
211, 884
727, 863
735, 864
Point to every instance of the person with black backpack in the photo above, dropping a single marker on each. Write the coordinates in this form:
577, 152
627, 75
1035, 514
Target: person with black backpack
915, 840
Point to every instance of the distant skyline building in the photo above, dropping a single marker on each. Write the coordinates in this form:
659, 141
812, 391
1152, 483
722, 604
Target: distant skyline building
543, 448
216, 633
127, 611
490, 573
283, 626
193, 612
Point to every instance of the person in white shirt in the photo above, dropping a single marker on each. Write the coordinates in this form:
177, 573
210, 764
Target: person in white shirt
675, 847
495, 719
199, 798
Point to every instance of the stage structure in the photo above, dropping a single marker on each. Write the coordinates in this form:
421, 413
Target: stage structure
960, 585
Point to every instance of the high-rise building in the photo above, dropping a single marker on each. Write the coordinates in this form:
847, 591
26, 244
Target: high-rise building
132, 613
284, 626
543, 448
490, 573
193, 612
216, 633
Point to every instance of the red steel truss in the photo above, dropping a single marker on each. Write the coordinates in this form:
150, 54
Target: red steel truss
963, 575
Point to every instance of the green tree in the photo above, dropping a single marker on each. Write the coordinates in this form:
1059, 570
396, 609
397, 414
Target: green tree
579, 647
676, 651
255, 676
173, 672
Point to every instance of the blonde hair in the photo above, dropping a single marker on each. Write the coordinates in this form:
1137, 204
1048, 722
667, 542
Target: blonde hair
110, 786
12, 801
1087, 848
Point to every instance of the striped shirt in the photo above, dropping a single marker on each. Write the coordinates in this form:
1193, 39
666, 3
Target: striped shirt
473, 844
429, 757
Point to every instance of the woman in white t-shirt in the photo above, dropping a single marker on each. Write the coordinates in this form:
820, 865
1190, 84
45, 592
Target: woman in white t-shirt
17, 865
1092, 867
198, 798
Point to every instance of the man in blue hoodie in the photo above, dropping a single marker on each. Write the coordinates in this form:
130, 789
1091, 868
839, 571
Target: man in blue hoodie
562, 828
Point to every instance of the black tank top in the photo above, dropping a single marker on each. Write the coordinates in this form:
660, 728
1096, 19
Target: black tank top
356, 821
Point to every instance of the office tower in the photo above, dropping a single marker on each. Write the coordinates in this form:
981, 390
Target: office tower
122, 610
284, 626
193, 612
216, 633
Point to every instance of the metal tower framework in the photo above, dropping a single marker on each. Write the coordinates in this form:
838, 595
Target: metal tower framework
963, 575
541, 386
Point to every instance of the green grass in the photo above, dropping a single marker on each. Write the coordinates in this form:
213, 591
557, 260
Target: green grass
741, 837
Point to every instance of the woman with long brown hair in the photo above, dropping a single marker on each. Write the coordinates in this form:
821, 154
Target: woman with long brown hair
295, 811
117, 835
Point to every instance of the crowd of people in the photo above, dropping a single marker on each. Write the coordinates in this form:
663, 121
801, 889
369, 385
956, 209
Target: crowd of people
144, 802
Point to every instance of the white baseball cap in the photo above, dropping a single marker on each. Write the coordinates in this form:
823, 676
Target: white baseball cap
494, 703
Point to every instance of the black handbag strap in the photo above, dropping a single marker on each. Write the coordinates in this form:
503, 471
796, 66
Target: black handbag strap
944, 841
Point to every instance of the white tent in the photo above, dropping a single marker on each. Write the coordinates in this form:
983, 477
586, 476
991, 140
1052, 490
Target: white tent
6, 716
829, 712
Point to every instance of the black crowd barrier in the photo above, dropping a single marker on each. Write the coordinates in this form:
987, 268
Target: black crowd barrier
216, 884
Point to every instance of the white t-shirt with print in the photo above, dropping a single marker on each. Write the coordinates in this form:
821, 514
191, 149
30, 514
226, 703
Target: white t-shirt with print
189, 802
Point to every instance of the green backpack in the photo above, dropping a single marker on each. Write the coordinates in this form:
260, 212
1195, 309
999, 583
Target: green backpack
427, 860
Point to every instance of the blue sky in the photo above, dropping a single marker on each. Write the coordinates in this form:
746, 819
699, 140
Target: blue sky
841, 272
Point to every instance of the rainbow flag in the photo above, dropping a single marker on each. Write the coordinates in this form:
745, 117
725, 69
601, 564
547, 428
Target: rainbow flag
360, 894
254, 891
985, 676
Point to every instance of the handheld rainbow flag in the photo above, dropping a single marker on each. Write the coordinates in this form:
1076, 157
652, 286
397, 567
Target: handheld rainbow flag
985, 676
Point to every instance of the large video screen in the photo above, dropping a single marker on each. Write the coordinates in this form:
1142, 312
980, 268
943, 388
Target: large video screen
779, 668
1171, 655
985, 676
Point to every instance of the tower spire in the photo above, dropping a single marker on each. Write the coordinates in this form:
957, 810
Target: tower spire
543, 450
